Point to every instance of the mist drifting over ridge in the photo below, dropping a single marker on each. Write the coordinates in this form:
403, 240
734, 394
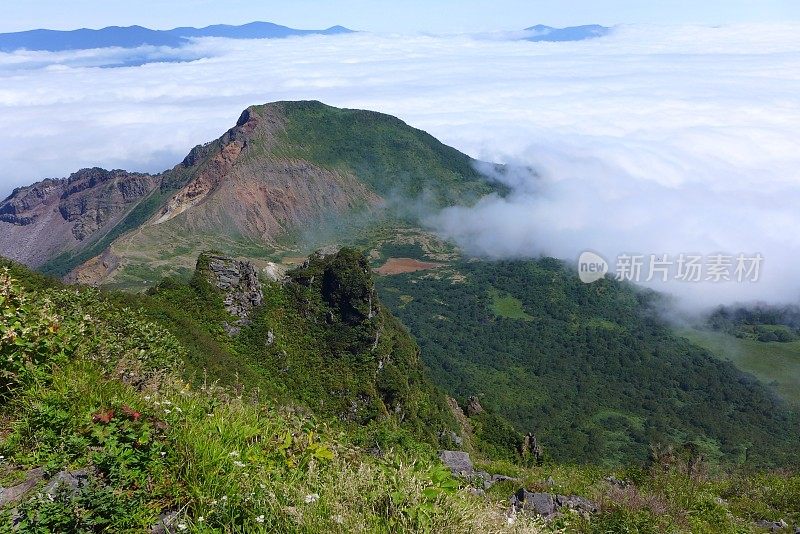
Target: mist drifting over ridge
651, 140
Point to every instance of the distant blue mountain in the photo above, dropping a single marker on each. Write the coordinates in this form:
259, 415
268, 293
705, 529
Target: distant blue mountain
135, 36
573, 33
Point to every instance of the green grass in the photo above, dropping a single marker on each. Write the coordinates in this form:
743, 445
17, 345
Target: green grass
504, 305
107, 396
383, 151
775, 364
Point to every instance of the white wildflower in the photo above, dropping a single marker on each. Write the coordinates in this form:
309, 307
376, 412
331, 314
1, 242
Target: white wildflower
313, 497
182, 526
167, 411
237, 463
233, 453
201, 519
262, 486
260, 519
512, 518
163, 454
224, 497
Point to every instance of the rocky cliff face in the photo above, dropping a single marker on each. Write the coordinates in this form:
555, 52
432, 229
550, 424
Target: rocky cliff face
238, 282
46, 219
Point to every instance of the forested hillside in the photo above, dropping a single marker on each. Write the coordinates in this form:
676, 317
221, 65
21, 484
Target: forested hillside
592, 370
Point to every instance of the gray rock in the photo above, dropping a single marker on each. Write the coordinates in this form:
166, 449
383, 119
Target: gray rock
548, 505
15, 493
73, 481
239, 281
458, 462
542, 504
474, 406
166, 524
614, 481
579, 504
772, 526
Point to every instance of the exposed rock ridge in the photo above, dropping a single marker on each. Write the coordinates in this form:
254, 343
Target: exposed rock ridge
238, 280
58, 215
215, 161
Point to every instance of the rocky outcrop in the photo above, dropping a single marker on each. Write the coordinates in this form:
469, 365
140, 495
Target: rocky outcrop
474, 406
548, 505
238, 281
774, 526
51, 217
459, 462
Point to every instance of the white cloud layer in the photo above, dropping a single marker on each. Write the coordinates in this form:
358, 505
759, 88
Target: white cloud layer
653, 140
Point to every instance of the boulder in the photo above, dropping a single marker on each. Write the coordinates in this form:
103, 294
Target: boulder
548, 505
166, 523
772, 526
459, 462
574, 502
71, 481
543, 504
15, 493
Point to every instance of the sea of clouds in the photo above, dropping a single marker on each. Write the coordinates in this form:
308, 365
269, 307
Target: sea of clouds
652, 140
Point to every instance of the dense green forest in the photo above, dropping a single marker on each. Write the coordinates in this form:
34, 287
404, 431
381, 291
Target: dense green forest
762, 322
590, 369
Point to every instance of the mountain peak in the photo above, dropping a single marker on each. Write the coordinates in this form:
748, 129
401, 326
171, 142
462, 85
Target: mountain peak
540, 32
136, 36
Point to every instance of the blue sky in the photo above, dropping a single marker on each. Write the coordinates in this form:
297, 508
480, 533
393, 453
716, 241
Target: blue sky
395, 15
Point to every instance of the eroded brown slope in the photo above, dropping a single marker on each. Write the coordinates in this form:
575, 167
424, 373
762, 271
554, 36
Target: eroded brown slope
239, 189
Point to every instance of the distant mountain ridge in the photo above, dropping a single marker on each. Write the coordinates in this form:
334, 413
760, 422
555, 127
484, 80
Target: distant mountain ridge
135, 36
541, 32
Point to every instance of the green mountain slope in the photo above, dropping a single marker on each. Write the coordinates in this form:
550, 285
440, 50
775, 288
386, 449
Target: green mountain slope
590, 369
776, 364
383, 151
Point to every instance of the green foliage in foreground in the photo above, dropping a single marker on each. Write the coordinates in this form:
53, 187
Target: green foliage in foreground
116, 407
322, 339
589, 368
109, 399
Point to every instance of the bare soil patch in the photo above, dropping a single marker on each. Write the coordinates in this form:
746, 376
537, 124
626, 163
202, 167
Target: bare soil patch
405, 265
